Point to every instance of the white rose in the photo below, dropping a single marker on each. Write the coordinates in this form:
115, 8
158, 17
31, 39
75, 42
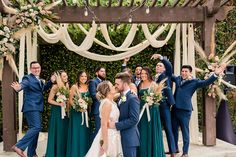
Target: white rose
32, 14
7, 35
29, 20
23, 8
1, 32
5, 40
29, 6
6, 29
31, 10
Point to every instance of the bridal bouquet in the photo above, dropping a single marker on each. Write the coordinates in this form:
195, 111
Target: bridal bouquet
62, 96
152, 97
81, 104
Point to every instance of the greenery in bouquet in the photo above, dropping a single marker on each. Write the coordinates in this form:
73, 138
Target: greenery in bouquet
81, 102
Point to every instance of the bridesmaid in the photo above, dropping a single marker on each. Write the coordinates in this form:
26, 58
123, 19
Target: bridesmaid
78, 135
151, 144
58, 124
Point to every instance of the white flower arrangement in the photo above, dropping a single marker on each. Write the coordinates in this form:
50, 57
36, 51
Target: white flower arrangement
7, 42
32, 14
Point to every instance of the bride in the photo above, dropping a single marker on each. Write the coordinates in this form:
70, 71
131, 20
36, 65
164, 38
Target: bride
108, 141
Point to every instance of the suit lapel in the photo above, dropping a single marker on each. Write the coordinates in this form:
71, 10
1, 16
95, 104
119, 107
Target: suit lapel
39, 82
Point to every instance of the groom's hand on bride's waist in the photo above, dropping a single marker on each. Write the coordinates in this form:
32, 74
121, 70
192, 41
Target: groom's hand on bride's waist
111, 125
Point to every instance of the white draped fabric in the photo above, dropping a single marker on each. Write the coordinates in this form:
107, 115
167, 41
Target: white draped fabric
21, 74
194, 128
62, 35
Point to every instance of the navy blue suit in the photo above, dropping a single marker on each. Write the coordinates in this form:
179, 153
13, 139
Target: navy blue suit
128, 120
32, 109
95, 105
182, 109
166, 103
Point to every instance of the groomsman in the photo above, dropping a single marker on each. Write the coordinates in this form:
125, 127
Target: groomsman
182, 110
137, 74
164, 71
101, 75
32, 108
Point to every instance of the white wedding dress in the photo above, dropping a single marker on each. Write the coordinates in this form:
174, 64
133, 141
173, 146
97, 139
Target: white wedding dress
114, 139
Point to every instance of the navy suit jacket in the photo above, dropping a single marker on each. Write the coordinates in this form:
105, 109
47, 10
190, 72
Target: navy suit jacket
33, 93
167, 91
93, 90
184, 92
128, 120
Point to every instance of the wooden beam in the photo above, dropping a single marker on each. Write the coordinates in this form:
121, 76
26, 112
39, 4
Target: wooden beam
109, 3
131, 3
120, 3
209, 104
196, 3
224, 2
213, 7
153, 3
164, 2
121, 14
175, 3
8, 108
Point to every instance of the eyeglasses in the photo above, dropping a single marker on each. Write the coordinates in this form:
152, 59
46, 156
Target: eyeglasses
35, 67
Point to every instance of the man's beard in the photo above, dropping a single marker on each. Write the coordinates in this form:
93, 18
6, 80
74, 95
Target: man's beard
102, 77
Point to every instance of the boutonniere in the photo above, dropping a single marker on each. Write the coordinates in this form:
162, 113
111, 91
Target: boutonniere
43, 81
123, 98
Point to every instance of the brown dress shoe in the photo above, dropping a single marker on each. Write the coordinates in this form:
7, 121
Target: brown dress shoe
173, 155
18, 151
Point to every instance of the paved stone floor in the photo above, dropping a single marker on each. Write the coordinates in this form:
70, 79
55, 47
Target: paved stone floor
222, 149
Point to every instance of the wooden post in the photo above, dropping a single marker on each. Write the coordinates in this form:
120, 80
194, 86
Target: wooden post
8, 108
209, 104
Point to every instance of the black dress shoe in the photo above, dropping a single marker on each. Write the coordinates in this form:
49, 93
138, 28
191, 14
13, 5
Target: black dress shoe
177, 151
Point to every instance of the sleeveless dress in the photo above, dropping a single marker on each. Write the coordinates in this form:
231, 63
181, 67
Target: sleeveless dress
78, 135
114, 139
151, 144
57, 133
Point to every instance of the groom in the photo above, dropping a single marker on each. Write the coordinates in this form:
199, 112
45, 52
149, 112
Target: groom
129, 116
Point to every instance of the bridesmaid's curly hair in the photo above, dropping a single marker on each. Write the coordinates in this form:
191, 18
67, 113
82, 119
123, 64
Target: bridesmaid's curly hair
103, 89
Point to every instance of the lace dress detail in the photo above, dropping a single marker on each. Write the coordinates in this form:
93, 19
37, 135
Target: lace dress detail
114, 139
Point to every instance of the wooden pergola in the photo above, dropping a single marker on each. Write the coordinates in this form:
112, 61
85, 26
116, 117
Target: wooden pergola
202, 12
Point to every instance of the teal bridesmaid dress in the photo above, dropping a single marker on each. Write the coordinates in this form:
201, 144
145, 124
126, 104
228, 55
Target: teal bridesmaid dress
78, 135
151, 139
57, 133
